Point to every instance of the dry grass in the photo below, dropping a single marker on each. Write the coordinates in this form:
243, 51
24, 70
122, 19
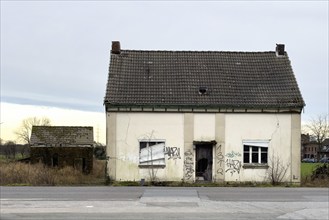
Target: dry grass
308, 182
16, 173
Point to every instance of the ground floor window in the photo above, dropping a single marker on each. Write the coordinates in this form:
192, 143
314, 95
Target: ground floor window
255, 152
152, 153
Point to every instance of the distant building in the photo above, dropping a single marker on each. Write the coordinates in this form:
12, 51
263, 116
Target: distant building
59, 146
201, 115
310, 148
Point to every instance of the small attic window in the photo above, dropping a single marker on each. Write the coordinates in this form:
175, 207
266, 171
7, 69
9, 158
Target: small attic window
203, 90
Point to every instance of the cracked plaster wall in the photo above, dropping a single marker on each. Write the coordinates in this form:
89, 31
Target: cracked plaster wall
133, 127
181, 129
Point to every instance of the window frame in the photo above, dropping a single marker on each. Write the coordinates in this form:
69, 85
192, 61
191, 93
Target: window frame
252, 148
146, 164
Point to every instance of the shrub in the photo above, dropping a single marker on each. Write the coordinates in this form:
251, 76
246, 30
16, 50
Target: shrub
321, 172
315, 175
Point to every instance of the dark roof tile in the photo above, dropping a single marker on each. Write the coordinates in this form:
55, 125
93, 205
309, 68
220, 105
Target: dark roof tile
62, 135
172, 78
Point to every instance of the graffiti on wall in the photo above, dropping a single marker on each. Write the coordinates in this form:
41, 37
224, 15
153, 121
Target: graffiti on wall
233, 166
188, 165
233, 154
172, 152
220, 160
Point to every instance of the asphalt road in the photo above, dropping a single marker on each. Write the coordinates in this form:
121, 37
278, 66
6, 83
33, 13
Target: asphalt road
163, 203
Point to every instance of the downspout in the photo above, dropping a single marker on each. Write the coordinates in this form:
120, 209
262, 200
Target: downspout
291, 133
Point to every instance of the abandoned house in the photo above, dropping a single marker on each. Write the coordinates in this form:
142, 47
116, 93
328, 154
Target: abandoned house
202, 115
59, 146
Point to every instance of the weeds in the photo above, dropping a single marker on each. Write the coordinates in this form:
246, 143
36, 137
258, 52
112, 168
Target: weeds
24, 174
321, 172
317, 176
16, 173
191, 184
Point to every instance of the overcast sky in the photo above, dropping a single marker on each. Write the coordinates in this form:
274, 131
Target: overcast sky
56, 53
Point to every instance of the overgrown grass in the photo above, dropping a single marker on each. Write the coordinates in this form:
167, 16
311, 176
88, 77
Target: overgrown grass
195, 184
19, 174
307, 169
16, 173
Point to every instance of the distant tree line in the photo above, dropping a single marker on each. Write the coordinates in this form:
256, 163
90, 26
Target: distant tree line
11, 150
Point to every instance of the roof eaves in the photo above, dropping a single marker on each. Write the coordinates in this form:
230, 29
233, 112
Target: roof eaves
210, 107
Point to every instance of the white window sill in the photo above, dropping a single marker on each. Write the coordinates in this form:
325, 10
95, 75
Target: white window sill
152, 166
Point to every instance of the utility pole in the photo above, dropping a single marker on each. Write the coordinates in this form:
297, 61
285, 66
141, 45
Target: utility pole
97, 133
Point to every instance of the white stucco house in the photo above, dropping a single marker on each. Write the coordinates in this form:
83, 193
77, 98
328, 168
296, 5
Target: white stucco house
201, 115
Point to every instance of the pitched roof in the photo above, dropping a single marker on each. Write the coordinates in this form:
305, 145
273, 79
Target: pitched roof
62, 135
208, 79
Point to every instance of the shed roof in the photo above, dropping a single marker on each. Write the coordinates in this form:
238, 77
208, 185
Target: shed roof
207, 79
62, 135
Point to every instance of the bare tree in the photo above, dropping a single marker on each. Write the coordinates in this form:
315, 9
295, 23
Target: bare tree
23, 133
319, 129
277, 170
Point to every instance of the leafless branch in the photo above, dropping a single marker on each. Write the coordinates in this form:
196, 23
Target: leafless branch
319, 128
277, 170
23, 133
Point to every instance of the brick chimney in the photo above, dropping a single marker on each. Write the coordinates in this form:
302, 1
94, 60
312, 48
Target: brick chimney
279, 50
116, 49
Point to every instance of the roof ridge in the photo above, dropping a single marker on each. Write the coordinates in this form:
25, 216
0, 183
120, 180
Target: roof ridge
194, 51
55, 126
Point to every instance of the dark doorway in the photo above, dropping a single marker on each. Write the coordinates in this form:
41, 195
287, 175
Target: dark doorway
204, 161
84, 165
55, 160
78, 164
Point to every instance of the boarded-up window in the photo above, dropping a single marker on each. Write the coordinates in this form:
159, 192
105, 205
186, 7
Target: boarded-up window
151, 153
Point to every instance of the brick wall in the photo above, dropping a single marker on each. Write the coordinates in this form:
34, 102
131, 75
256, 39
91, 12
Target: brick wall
80, 158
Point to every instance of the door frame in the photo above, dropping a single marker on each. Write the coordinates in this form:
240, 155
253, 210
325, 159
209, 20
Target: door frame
207, 175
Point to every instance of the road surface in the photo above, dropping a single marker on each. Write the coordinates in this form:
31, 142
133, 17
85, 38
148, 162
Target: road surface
163, 203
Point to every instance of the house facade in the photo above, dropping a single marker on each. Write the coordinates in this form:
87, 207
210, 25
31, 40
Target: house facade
202, 115
60, 146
